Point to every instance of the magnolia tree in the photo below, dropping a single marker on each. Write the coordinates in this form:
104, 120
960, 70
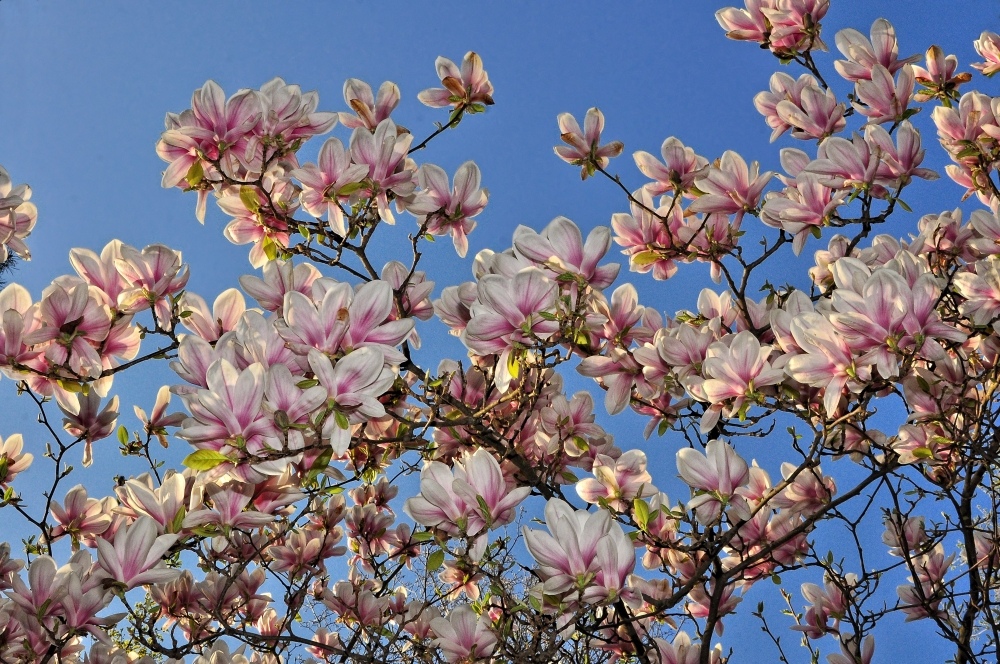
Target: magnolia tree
285, 537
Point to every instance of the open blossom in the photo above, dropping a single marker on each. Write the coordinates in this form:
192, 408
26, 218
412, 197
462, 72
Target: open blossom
443, 210
135, 556
508, 315
863, 54
289, 115
84, 417
583, 146
800, 105
80, 516
76, 322
227, 310
467, 87
714, 476
618, 481
930, 568
464, 636
261, 219
678, 171
843, 163
803, 206
653, 238
15, 321
369, 110
154, 274
229, 503
982, 292
583, 552
900, 161
784, 27
12, 459
828, 362
353, 384
881, 99
337, 318
330, 182
939, 79
384, 152
988, 47
469, 498
279, 277
730, 186
17, 217
164, 504
738, 370
560, 249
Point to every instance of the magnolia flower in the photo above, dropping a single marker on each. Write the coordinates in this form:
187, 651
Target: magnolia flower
353, 384
84, 418
731, 187
618, 482
329, 182
337, 318
881, 99
475, 498
17, 217
863, 55
280, 277
80, 517
508, 314
157, 421
714, 476
228, 504
678, 171
583, 147
468, 88
800, 105
290, 115
464, 636
584, 553
12, 459
165, 504
369, 110
383, 152
828, 362
561, 250
134, 558
938, 79
154, 274
988, 46
443, 210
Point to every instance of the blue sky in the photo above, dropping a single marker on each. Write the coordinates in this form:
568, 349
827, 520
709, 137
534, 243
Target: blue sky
87, 86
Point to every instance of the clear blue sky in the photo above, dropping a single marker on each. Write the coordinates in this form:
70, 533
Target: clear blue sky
87, 86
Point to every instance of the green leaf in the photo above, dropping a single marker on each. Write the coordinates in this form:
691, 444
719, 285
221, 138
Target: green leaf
270, 248
205, 459
923, 453
122, 435
195, 174
341, 420
349, 188
435, 560
423, 536
249, 197
640, 511
644, 258
322, 461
